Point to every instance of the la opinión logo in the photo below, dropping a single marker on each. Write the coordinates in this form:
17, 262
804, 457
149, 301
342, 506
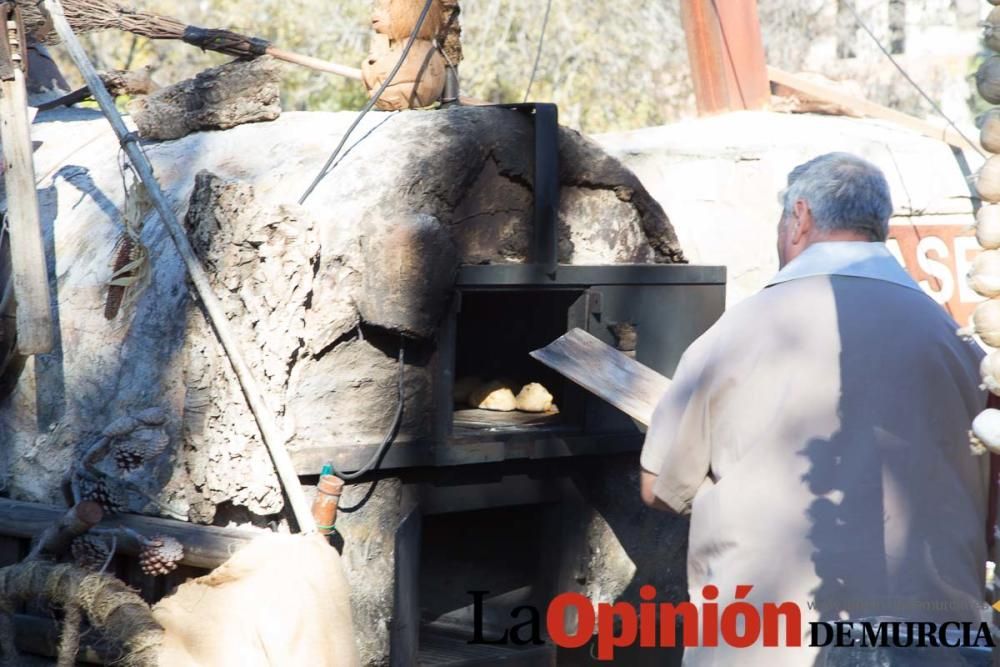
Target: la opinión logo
739, 624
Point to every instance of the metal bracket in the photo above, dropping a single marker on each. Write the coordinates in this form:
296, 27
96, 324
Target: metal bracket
545, 240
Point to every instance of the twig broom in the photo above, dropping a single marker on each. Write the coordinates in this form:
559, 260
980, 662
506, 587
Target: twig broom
97, 15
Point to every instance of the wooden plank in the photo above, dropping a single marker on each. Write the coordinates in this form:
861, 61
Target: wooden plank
871, 109
599, 368
31, 280
204, 546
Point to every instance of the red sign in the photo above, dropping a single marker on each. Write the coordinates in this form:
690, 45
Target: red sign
939, 257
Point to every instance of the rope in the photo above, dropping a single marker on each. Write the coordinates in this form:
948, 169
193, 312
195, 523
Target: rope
369, 104
538, 53
69, 640
857, 17
390, 435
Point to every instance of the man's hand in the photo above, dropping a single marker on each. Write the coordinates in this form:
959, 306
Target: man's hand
647, 481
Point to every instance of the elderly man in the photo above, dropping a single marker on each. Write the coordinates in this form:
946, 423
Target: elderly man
817, 433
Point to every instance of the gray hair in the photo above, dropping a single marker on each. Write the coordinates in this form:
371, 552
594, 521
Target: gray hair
844, 192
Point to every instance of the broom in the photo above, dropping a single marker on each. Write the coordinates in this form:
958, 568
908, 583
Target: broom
96, 15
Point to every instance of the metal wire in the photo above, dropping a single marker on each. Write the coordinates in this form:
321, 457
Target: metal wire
397, 420
368, 105
538, 53
857, 17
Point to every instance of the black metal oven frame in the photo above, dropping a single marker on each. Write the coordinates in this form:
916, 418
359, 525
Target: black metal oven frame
672, 304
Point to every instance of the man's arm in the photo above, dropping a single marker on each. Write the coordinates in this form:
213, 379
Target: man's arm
646, 482
676, 456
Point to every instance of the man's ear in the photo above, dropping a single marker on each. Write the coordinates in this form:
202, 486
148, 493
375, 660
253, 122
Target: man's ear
803, 225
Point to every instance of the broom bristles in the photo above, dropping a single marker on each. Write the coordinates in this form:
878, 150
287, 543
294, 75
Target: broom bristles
96, 15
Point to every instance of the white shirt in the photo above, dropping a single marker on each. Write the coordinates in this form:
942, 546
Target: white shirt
831, 411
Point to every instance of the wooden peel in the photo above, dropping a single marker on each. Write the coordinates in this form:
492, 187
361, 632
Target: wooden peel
633, 388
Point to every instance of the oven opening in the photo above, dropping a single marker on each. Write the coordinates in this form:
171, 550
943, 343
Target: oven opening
498, 387
502, 552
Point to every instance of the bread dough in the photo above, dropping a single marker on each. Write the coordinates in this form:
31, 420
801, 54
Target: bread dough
493, 395
534, 398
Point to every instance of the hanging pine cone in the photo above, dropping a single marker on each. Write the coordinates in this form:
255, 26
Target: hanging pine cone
138, 447
90, 552
161, 555
108, 496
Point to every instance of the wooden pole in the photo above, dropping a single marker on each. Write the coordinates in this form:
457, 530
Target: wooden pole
273, 439
871, 109
78, 520
726, 55
28, 268
314, 63
204, 546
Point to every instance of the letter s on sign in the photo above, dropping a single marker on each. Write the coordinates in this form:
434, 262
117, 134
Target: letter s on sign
936, 268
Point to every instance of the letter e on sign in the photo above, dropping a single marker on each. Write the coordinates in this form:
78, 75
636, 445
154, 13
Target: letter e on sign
938, 257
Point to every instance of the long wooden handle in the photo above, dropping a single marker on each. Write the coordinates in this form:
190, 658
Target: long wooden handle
342, 70
31, 281
314, 63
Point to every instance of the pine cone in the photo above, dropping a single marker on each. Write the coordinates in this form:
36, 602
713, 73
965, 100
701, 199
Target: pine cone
161, 556
127, 458
109, 496
139, 447
90, 552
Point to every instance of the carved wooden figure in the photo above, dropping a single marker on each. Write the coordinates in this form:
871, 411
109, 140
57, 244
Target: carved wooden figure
420, 81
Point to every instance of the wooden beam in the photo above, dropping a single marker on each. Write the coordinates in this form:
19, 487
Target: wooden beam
726, 55
871, 109
204, 546
27, 251
55, 540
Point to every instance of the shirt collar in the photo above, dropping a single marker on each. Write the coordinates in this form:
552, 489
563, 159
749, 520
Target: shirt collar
857, 259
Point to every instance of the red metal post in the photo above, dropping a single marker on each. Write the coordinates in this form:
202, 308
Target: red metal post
726, 53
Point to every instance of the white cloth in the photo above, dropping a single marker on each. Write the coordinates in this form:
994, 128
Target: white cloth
818, 435
846, 258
